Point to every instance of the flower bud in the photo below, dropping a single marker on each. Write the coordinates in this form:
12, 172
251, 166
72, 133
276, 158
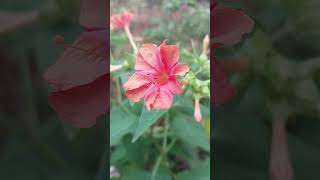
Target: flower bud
205, 45
115, 67
197, 110
280, 165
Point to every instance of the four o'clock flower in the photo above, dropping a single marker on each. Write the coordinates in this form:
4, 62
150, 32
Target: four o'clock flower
155, 78
122, 21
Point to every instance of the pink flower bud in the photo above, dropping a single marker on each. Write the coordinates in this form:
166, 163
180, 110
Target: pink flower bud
205, 45
280, 166
115, 67
197, 111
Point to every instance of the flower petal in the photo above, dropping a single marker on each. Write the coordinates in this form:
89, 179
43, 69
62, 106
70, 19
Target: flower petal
136, 80
136, 94
163, 100
80, 64
150, 96
179, 70
173, 86
158, 98
169, 54
120, 21
81, 105
229, 25
146, 59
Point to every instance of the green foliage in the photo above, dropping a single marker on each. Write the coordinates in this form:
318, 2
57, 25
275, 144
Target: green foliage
146, 120
179, 26
189, 131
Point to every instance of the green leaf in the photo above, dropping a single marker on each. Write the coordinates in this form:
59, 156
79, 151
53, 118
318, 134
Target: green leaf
146, 120
134, 173
190, 131
118, 39
201, 171
136, 152
121, 123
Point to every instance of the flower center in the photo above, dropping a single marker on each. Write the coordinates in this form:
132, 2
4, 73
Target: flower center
162, 78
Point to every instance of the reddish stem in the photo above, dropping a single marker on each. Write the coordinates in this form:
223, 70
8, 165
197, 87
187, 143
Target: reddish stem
280, 167
130, 37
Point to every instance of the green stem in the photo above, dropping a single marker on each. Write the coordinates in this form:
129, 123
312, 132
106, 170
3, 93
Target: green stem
111, 56
165, 134
156, 167
198, 71
163, 149
172, 143
118, 89
30, 115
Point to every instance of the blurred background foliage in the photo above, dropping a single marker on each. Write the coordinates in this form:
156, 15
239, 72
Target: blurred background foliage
284, 55
34, 142
179, 21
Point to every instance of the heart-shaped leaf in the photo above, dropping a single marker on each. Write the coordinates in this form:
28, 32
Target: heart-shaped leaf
190, 131
146, 120
121, 123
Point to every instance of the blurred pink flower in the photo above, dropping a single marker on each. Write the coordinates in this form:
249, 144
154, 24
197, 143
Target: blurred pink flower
120, 21
155, 78
228, 26
80, 77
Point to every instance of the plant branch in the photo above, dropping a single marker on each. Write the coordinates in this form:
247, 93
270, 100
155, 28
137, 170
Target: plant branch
130, 37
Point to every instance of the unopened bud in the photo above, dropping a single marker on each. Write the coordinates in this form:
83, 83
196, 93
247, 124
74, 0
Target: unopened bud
197, 110
205, 45
280, 165
115, 67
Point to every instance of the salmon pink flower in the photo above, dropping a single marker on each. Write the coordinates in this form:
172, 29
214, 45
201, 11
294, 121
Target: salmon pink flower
120, 21
155, 78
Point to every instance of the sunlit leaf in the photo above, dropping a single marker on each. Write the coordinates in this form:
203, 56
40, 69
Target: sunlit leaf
146, 120
191, 132
121, 123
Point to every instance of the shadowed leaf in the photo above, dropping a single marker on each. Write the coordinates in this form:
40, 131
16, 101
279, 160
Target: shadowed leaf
11, 20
